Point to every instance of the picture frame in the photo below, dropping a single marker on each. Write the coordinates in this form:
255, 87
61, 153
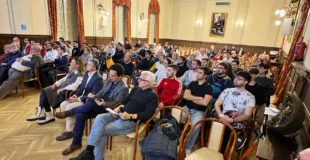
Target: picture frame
218, 25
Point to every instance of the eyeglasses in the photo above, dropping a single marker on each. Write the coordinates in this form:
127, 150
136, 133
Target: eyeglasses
140, 79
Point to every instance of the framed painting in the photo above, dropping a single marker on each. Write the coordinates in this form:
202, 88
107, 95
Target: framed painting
218, 24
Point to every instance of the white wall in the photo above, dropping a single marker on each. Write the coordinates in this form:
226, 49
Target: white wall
32, 13
257, 16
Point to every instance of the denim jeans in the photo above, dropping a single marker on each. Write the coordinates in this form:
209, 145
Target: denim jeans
106, 125
195, 117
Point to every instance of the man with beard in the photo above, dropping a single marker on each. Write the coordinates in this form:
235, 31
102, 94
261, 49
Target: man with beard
191, 75
169, 89
235, 66
238, 105
76, 52
219, 80
197, 96
182, 66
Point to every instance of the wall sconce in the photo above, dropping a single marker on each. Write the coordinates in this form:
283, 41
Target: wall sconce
199, 22
101, 10
239, 23
277, 22
142, 17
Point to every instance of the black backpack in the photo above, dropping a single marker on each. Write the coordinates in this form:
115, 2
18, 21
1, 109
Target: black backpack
291, 118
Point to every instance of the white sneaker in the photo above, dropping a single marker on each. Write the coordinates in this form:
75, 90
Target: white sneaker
188, 151
38, 115
49, 118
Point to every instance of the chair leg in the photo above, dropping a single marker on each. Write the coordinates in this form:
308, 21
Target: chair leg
39, 84
110, 143
135, 145
23, 89
86, 128
107, 145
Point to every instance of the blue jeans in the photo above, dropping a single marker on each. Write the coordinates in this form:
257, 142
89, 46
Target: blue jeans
106, 125
88, 110
195, 117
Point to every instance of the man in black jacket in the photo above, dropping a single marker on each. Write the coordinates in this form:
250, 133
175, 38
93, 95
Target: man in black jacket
140, 104
76, 50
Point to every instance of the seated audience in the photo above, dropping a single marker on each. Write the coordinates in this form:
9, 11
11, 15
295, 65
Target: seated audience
113, 92
182, 66
234, 56
128, 46
212, 52
219, 80
51, 53
55, 94
191, 58
140, 104
202, 54
259, 93
6, 65
230, 72
197, 96
175, 58
92, 83
26, 49
86, 56
235, 66
169, 89
14, 75
110, 50
158, 65
6, 53
227, 58
238, 105
119, 54
128, 66
225, 50
191, 75
204, 62
138, 44
265, 81
241, 51
147, 62
233, 49
143, 50
76, 50
95, 52
69, 48
162, 72
48, 74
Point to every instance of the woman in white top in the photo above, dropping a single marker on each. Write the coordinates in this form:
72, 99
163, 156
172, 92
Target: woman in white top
175, 58
162, 72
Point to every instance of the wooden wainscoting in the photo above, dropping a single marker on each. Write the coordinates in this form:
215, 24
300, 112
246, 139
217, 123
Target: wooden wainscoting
90, 40
246, 48
7, 39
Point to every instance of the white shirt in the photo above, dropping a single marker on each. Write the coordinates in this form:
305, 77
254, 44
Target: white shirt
50, 55
72, 86
160, 74
159, 66
200, 56
90, 75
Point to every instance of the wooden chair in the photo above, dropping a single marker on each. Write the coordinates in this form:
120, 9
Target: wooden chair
212, 145
60, 74
126, 79
105, 76
176, 112
35, 78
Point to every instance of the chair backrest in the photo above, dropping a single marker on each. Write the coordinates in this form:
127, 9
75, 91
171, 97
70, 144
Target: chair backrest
126, 79
215, 130
177, 114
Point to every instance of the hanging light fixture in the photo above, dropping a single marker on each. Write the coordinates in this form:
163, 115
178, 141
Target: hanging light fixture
101, 10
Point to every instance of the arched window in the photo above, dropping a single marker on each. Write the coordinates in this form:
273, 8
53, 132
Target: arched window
153, 22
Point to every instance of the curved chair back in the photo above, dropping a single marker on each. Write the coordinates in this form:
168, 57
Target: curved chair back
177, 114
215, 134
126, 79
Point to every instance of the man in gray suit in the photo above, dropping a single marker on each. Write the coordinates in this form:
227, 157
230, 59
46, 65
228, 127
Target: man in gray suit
16, 73
113, 91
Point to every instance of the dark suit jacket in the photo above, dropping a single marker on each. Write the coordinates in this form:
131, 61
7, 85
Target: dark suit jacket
118, 94
94, 85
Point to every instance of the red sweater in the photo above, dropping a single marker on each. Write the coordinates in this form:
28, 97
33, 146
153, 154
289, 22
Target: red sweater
169, 90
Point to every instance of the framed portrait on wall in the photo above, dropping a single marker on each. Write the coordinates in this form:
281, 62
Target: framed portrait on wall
218, 24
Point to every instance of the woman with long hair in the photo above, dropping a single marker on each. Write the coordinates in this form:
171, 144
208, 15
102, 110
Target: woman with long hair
55, 94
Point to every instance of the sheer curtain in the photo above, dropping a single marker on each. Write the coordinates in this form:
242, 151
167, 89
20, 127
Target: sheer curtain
120, 23
152, 28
